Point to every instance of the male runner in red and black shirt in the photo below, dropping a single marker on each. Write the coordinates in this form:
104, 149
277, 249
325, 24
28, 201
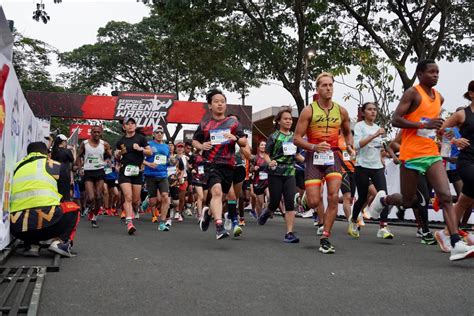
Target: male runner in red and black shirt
217, 137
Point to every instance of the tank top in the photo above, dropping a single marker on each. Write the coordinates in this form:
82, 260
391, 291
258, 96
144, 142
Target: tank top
417, 143
94, 156
325, 127
467, 132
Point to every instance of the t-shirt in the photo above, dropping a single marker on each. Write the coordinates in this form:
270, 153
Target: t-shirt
160, 156
369, 155
223, 150
131, 156
198, 164
260, 178
280, 148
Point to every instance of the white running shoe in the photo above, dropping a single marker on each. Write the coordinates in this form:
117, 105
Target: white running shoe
227, 222
307, 214
444, 240
176, 216
360, 220
419, 233
188, 212
320, 230
169, 222
376, 207
353, 229
384, 233
461, 251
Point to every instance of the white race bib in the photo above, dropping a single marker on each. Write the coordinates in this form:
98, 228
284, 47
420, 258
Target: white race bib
426, 133
171, 170
200, 169
289, 149
346, 156
323, 159
131, 171
217, 136
262, 175
160, 159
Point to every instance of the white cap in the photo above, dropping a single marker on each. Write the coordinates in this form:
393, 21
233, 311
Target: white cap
62, 137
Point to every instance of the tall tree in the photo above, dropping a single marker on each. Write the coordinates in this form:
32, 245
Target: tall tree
407, 30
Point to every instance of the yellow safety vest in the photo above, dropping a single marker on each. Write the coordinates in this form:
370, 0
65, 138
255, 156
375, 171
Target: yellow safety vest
32, 185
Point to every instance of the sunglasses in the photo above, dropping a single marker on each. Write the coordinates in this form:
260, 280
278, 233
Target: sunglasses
158, 132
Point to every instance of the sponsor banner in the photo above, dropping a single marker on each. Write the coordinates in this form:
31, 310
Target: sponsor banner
147, 108
188, 135
83, 130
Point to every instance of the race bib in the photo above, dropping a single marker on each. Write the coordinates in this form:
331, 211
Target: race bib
426, 133
263, 175
200, 169
160, 159
131, 171
94, 161
323, 159
217, 136
107, 170
171, 170
289, 149
346, 156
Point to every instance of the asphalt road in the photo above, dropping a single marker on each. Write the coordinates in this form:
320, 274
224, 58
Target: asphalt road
188, 272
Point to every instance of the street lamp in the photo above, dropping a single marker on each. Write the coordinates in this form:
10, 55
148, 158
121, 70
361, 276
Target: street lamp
309, 53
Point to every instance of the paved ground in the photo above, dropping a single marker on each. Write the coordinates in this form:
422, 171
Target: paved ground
186, 271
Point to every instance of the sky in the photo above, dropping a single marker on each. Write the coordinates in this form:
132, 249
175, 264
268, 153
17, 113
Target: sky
75, 23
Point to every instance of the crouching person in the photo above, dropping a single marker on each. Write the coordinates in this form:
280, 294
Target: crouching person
36, 213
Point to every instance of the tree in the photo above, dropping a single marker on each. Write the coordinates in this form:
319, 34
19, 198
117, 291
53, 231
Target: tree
407, 30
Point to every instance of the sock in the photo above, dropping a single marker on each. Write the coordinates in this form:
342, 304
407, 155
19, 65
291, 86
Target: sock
383, 224
454, 239
232, 209
128, 220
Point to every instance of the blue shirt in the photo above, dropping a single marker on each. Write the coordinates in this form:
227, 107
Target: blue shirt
160, 156
110, 172
454, 150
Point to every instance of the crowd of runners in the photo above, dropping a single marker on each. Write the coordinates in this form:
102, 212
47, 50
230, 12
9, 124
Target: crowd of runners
218, 177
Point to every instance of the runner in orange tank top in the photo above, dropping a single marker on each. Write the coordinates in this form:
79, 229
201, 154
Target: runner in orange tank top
418, 116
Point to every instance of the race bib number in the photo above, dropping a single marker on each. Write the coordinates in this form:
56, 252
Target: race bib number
217, 136
289, 149
131, 171
171, 170
107, 170
160, 159
346, 156
200, 169
426, 133
323, 159
263, 175
94, 161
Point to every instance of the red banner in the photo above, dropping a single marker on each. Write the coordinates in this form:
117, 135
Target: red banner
84, 130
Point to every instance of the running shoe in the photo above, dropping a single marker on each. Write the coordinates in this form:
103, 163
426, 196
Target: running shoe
169, 222
227, 222
253, 213
444, 240
131, 228
163, 227
428, 239
237, 231
384, 233
279, 213
307, 214
376, 207
62, 248
315, 219
353, 229
325, 246
90, 216
176, 215
419, 232
467, 237
221, 233
32, 251
291, 238
188, 212
154, 219
461, 251
241, 222
205, 220
304, 203
360, 220
320, 230
136, 215
123, 215
264, 217
180, 217
94, 224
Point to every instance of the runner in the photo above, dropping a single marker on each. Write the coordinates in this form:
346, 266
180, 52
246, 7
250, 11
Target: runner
111, 182
260, 177
348, 186
463, 119
368, 143
182, 176
418, 116
323, 121
91, 157
198, 182
217, 137
132, 147
156, 176
280, 155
